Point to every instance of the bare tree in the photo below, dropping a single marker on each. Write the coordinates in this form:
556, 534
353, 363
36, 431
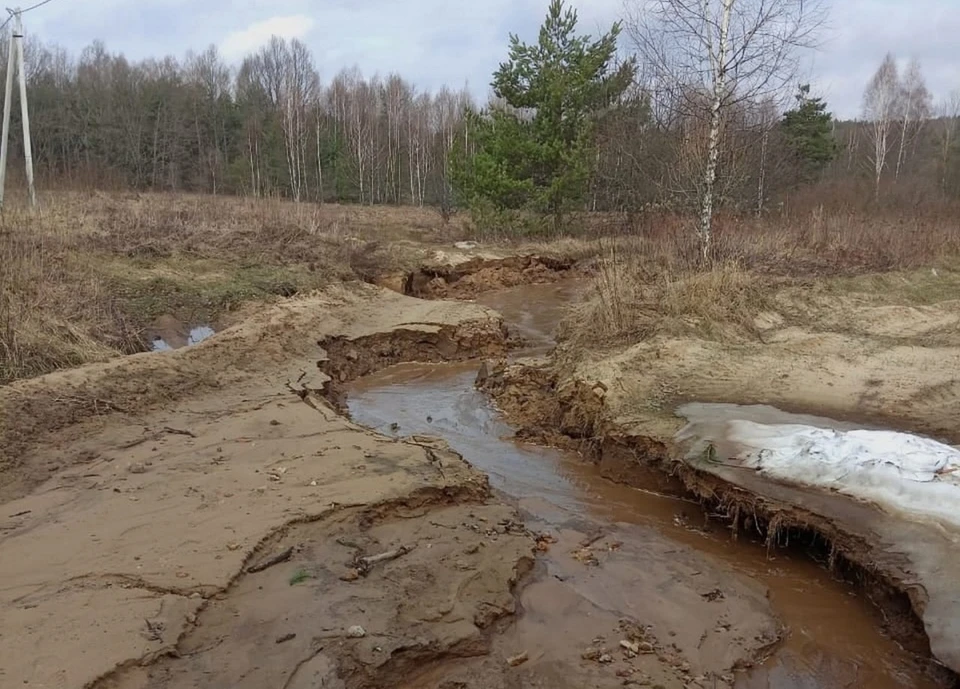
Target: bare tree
767, 117
879, 110
949, 118
732, 51
914, 106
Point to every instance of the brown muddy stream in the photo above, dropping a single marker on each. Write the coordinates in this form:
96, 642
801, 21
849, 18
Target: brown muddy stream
657, 562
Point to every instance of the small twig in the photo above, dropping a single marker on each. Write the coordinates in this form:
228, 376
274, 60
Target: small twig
177, 431
364, 564
270, 562
20, 514
139, 441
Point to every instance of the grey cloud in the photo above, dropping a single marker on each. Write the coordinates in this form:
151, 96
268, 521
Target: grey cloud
435, 42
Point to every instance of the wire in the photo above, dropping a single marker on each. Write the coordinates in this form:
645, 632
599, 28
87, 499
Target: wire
14, 13
33, 7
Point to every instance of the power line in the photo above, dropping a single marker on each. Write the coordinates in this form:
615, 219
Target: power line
13, 13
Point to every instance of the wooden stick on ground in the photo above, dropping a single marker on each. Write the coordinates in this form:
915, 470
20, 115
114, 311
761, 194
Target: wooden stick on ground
270, 562
364, 564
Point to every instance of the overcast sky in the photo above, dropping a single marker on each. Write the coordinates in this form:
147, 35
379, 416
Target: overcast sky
457, 42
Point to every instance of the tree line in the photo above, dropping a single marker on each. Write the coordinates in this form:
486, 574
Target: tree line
687, 106
268, 127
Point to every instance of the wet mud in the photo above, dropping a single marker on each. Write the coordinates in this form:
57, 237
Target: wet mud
750, 612
174, 522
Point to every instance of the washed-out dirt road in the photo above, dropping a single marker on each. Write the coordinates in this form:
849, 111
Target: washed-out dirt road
211, 517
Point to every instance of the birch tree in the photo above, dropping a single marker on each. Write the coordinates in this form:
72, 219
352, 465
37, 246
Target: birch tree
914, 106
720, 53
298, 93
880, 110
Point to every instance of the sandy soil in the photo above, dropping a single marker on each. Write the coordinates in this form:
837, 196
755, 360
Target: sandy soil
209, 517
138, 494
847, 358
607, 569
467, 272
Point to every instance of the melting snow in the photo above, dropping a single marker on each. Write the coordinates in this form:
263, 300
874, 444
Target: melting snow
898, 471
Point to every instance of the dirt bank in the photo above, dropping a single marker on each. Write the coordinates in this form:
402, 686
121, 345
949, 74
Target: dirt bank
466, 273
146, 497
616, 405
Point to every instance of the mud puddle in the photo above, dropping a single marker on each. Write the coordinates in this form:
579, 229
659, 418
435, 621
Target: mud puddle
702, 602
168, 333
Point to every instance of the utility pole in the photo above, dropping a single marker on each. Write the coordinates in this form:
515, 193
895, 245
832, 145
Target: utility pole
25, 114
6, 118
15, 60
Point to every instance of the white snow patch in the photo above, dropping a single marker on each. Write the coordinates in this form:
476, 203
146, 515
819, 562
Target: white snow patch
900, 472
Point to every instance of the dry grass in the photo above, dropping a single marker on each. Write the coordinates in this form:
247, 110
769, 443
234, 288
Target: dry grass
633, 300
80, 281
650, 281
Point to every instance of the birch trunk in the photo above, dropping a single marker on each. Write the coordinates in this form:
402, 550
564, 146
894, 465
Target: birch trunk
705, 226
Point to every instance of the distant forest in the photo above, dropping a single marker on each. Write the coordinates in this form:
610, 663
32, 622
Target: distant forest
271, 127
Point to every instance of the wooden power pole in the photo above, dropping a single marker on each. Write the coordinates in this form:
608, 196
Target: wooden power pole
15, 61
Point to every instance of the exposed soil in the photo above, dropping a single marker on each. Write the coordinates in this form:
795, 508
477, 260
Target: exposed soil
616, 407
140, 496
461, 275
209, 517
833, 637
604, 575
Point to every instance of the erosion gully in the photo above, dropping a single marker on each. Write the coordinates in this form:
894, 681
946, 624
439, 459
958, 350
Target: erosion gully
831, 635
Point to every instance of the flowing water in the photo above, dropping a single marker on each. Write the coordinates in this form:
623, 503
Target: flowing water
833, 638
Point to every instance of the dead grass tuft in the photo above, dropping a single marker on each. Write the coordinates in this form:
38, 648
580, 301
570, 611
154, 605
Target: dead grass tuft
632, 299
55, 310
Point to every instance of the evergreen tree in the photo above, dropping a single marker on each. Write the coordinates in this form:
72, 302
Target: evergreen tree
808, 130
533, 147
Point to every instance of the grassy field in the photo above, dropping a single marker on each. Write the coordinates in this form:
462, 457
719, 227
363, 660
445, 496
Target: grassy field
81, 280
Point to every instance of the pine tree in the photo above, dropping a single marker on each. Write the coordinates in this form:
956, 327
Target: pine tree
533, 147
808, 130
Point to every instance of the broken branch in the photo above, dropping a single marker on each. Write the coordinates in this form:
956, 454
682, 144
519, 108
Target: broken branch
270, 562
364, 564
178, 431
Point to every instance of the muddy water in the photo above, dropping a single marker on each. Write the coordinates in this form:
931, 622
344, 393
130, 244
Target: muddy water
832, 638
